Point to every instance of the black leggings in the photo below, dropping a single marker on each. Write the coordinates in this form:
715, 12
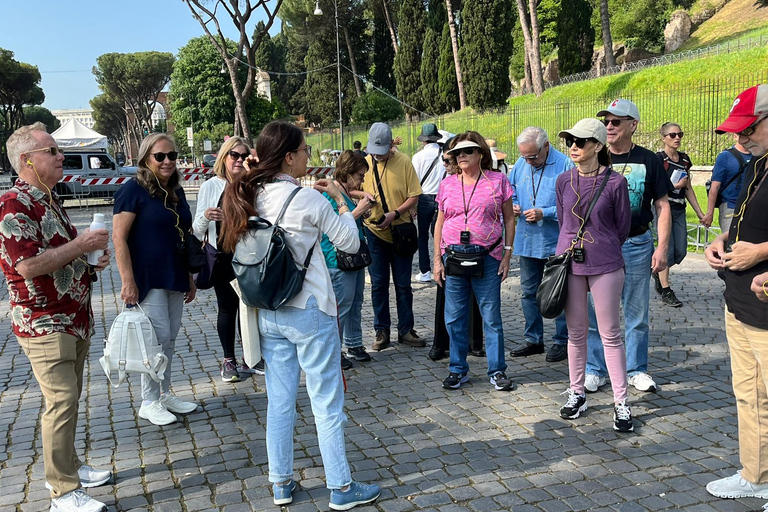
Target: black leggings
228, 303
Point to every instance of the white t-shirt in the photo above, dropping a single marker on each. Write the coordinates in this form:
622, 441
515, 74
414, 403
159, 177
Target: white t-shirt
422, 161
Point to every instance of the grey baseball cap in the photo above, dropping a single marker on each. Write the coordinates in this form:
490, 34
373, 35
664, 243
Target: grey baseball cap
621, 107
379, 139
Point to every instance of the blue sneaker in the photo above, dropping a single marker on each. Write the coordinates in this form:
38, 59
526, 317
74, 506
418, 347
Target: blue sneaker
284, 493
357, 494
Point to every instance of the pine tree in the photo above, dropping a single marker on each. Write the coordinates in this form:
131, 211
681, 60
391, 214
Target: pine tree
486, 51
576, 37
447, 87
411, 28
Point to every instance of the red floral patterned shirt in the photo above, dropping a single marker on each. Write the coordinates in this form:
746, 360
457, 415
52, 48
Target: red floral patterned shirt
51, 303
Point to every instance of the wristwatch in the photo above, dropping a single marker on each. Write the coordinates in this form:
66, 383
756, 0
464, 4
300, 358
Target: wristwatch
397, 214
507, 247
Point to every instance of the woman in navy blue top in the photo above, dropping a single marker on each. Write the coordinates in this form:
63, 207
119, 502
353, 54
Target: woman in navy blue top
151, 217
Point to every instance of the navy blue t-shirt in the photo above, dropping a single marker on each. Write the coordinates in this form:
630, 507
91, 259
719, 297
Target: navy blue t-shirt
726, 167
153, 240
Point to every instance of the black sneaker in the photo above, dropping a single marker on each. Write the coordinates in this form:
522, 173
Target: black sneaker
359, 354
346, 364
574, 406
455, 380
259, 368
501, 382
622, 418
657, 282
229, 371
669, 298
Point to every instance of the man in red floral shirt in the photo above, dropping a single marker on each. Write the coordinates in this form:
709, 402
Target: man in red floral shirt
49, 285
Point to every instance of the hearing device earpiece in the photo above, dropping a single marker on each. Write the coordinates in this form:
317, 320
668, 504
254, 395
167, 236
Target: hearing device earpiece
29, 162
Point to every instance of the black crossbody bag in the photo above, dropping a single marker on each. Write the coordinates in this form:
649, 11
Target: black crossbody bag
404, 236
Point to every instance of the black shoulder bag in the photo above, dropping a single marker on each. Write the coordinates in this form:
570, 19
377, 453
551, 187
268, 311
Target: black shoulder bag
350, 262
553, 290
264, 266
404, 236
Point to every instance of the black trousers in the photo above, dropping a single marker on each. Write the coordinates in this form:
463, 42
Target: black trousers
441, 339
228, 303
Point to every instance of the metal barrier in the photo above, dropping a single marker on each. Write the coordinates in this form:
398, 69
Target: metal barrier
5, 184
700, 236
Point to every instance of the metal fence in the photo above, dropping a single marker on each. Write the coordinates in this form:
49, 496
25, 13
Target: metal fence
698, 110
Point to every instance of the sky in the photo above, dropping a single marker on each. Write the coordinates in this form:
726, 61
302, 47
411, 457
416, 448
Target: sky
63, 39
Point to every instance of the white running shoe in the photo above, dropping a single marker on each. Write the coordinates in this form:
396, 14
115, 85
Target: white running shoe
642, 382
89, 477
176, 404
76, 501
423, 277
736, 487
592, 382
156, 413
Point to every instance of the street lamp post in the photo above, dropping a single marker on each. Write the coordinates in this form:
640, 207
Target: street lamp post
319, 12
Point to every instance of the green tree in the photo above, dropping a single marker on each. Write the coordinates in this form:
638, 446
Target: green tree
407, 66
261, 111
430, 62
447, 86
576, 37
109, 114
382, 57
374, 107
320, 88
640, 23
486, 51
43, 115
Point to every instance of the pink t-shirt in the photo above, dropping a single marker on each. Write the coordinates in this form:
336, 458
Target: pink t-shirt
485, 221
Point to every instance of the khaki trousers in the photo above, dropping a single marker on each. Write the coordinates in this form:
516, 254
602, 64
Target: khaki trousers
749, 364
57, 361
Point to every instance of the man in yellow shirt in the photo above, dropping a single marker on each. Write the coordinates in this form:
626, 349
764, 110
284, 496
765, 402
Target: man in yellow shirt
392, 181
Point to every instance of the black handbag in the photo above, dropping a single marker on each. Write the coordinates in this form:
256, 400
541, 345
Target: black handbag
264, 266
194, 254
553, 289
405, 238
350, 262
462, 264
204, 278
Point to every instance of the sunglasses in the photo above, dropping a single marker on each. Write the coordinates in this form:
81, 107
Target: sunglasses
160, 157
234, 155
465, 151
580, 143
746, 132
675, 135
447, 161
615, 122
53, 150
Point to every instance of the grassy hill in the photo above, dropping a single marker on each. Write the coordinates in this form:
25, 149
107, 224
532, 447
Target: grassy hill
737, 19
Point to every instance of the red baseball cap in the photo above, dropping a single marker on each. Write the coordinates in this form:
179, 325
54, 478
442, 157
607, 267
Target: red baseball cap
747, 108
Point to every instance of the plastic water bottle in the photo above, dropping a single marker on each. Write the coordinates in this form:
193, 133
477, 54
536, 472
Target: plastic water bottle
98, 223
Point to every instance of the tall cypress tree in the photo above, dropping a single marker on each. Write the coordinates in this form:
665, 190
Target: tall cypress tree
576, 37
429, 71
447, 88
411, 28
486, 50
383, 56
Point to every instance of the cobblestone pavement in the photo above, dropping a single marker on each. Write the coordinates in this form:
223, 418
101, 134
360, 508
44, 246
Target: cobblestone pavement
475, 449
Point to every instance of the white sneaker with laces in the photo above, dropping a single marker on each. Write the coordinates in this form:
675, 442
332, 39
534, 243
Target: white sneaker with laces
76, 501
156, 413
89, 477
176, 404
736, 487
592, 382
424, 277
642, 382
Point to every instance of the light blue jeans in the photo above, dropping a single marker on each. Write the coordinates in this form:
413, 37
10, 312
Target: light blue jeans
349, 288
457, 306
164, 308
292, 340
635, 297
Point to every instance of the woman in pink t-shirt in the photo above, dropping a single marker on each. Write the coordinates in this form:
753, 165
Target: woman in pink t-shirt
475, 224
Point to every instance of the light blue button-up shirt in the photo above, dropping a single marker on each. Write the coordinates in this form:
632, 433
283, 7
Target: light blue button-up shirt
535, 188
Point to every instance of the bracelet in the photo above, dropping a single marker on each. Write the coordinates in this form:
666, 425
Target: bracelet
397, 214
765, 290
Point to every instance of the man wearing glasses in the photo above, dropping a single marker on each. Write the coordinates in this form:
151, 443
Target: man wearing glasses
533, 179
741, 258
648, 189
49, 286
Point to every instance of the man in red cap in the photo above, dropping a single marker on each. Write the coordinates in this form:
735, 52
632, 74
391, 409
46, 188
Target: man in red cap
739, 256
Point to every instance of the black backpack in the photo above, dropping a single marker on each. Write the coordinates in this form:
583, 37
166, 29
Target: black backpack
742, 166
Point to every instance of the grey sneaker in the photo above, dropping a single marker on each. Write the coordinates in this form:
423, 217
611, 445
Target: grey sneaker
736, 487
229, 371
382, 340
76, 501
411, 339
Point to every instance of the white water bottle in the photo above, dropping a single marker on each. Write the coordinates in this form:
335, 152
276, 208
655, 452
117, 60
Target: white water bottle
98, 223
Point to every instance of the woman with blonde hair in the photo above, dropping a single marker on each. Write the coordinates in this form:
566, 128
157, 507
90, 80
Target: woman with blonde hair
151, 220
231, 161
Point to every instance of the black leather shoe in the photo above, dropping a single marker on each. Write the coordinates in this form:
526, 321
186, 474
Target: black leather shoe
557, 353
528, 349
436, 354
346, 364
477, 353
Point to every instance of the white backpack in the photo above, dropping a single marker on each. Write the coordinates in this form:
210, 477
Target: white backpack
132, 347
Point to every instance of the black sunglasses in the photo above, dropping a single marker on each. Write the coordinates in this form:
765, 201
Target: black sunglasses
615, 122
447, 161
234, 155
746, 132
160, 157
675, 135
580, 143
466, 151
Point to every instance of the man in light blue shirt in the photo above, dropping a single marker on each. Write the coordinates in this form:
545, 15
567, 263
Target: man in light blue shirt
533, 178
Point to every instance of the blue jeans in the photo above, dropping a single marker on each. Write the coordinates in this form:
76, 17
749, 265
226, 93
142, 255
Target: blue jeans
348, 287
292, 340
457, 306
531, 272
635, 297
383, 258
425, 219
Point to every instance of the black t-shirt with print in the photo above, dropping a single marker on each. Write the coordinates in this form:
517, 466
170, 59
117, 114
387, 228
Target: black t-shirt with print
646, 179
676, 196
749, 224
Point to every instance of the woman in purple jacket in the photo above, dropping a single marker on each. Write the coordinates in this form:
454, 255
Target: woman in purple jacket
597, 264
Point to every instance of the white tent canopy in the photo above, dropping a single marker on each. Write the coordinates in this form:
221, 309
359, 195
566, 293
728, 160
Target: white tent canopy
75, 135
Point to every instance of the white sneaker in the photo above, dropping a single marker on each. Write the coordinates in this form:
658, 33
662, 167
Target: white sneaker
176, 404
89, 477
736, 487
642, 382
156, 413
423, 277
76, 501
592, 382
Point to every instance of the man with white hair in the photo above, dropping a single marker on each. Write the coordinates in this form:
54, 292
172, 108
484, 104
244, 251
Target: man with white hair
533, 177
49, 289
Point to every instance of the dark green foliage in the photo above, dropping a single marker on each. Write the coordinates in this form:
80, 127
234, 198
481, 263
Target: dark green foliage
436, 15
486, 50
447, 89
320, 88
547, 13
262, 111
382, 57
43, 115
640, 23
407, 67
110, 118
576, 37
429, 71
373, 107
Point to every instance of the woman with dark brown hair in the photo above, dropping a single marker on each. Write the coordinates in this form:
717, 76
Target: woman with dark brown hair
303, 333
